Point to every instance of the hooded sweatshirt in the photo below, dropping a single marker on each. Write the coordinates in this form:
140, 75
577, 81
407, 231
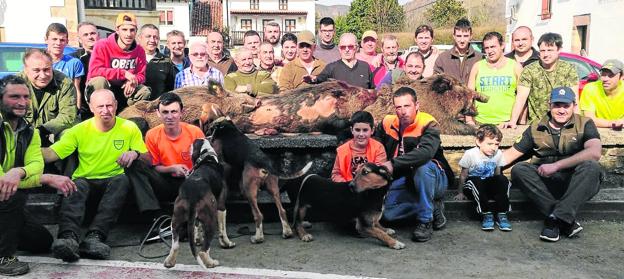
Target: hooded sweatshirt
108, 60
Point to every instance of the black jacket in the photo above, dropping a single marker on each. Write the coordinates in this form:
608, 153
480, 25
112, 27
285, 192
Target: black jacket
160, 75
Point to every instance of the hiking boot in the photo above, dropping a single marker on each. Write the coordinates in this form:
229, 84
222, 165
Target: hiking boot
503, 222
11, 266
439, 220
570, 230
93, 246
487, 223
550, 232
423, 232
65, 247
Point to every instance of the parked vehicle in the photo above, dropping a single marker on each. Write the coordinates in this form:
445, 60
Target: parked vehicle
11, 55
587, 70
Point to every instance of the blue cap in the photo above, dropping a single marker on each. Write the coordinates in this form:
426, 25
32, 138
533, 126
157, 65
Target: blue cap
562, 95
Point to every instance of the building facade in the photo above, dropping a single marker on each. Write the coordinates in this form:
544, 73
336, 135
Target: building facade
21, 21
173, 15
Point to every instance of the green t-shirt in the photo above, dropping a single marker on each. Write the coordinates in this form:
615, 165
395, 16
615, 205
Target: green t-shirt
98, 151
500, 86
606, 107
541, 82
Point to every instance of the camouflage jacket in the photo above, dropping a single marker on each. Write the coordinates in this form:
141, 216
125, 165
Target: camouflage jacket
541, 82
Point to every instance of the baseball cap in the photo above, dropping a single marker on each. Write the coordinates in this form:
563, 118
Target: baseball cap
613, 65
305, 37
126, 18
369, 33
562, 95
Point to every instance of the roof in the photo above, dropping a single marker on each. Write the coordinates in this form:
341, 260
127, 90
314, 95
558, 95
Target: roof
269, 12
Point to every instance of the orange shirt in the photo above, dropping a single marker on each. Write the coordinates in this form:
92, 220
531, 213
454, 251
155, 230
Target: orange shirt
349, 158
166, 151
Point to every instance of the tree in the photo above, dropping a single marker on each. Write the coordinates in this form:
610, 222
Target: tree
379, 15
444, 13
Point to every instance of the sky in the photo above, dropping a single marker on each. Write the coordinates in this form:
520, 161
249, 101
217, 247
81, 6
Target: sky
346, 2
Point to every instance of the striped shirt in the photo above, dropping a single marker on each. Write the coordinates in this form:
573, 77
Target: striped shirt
188, 78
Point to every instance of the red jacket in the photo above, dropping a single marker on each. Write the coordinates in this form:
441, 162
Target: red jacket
108, 60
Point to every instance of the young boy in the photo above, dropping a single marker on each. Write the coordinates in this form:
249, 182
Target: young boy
359, 150
482, 179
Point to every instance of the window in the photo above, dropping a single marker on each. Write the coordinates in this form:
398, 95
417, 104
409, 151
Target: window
283, 4
290, 25
166, 17
245, 24
254, 4
265, 21
546, 9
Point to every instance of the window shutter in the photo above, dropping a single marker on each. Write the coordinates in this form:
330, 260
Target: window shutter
546, 9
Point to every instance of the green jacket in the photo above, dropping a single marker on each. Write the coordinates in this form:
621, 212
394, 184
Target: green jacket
57, 110
570, 140
261, 82
32, 159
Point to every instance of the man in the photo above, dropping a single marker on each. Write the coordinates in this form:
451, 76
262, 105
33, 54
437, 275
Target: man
423, 38
523, 50
56, 39
272, 35
348, 69
327, 50
458, 61
199, 73
564, 171
87, 36
303, 69
52, 94
22, 167
216, 57
289, 48
412, 142
160, 72
106, 144
538, 79
251, 41
247, 79
118, 63
413, 70
368, 47
268, 63
603, 100
495, 77
176, 43
390, 60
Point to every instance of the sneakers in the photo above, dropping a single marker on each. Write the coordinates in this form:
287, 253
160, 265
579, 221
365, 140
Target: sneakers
11, 266
487, 224
439, 220
570, 230
422, 232
550, 232
93, 246
65, 247
503, 222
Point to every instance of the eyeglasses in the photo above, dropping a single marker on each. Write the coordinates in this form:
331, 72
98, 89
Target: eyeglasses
327, 31
304, 45
349, 47
195, 54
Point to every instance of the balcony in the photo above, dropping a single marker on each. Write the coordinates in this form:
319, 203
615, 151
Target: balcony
141, 5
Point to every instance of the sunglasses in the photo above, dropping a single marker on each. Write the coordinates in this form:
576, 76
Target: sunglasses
304, 45
349, 47
195, 54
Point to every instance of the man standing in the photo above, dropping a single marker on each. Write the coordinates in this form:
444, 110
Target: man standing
176, 44
247, 79
118, 63
160, 71
216, 57
268, 62
423, 38
368, 47
327, 50
22, 167
199, 73
413, 70
458, 61
348, 69
523, 50
251, 41
289, 48
495, 77
106, 144
390, 60
87, 36
272, 35
538, 80
564, 171
603, 100
56, 39
52, 94
305, 67
412, 142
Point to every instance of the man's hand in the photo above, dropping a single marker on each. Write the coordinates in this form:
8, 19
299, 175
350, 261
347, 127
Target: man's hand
179, 170
59, 182
459, 197
126, 159
9, 183
388, 165
131, 78
617, 125
507, 125
546, 170
128, 88
309, 78
376, 62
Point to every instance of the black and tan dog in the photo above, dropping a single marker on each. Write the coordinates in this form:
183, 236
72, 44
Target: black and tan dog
196, 206
251, 169
361, 199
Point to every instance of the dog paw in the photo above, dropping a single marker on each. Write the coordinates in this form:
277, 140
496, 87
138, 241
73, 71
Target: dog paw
226, 244
169, 262
390, 231
257, 240
287, 234
398, 245
211, 263
307, 237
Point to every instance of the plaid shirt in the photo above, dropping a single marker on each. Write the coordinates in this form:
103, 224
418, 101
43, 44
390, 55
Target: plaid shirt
188, 78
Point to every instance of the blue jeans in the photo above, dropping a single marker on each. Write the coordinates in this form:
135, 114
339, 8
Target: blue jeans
430, 182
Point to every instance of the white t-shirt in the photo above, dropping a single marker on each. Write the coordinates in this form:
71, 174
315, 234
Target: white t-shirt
480, 165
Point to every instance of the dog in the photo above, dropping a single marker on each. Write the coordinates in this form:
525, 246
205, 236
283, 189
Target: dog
361, 200
246, 165
196, 206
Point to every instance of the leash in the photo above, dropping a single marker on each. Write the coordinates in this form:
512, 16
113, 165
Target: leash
161, 224
296, 209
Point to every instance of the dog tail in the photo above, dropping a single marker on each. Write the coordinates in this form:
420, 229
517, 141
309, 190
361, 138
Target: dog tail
300, 173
